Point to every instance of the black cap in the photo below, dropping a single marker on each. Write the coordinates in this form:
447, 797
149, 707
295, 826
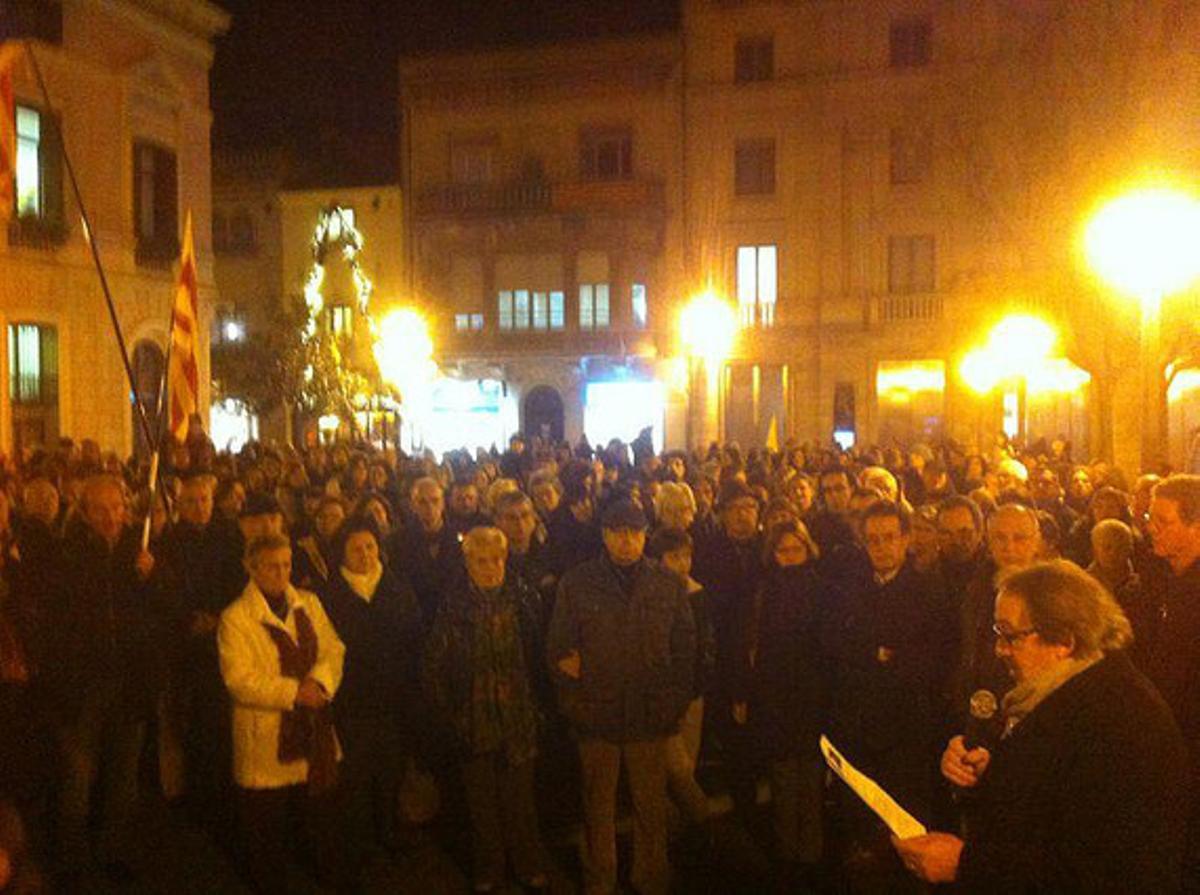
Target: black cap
624, 514
258, 504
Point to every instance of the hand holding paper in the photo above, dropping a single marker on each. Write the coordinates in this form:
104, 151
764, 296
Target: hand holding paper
899, 821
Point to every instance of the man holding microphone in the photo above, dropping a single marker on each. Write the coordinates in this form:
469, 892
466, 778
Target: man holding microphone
1083, 792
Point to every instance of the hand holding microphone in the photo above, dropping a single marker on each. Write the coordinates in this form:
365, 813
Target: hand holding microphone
967, 756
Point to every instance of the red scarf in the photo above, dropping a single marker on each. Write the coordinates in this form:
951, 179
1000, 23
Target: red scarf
305, 734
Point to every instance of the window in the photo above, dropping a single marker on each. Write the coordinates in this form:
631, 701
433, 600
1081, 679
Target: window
520, 309
241, 231
911, 264
37, 19
155, 203
910, 155
541, 311
32, 363
462, 322
504, 310
754, 167
606, 154
557, 310
753, 59
910, 43
476, 322
38, 173
472, 160
341, 320
757, 284
593, 306
33, 383
637, 301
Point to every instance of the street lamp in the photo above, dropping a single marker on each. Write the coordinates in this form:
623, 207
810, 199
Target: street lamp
1146, 243
707, 329
404, 353
1017, 350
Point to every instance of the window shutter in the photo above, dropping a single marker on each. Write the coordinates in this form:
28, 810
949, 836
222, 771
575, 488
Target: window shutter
166, 215
50, 163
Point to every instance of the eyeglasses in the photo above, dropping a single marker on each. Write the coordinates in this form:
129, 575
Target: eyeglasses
1012, 638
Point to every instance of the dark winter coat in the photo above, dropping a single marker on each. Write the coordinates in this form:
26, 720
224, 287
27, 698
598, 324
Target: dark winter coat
782, 675
1085, 794
885, 685
637, 645
380, 672
432, 563
105, 626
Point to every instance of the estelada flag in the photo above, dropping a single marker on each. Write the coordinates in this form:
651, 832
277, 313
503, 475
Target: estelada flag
183, 376
10, 52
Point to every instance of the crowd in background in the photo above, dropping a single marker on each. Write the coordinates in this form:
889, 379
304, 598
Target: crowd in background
383, 647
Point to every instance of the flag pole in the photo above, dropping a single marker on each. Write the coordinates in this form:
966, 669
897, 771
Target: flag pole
160, 415
95, 251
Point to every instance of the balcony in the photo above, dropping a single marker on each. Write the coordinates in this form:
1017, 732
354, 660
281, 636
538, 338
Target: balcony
566, 342
483, 199
572, 197
916, 306
33, 232
608, 195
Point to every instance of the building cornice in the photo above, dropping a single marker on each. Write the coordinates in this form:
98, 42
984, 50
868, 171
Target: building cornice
189, 25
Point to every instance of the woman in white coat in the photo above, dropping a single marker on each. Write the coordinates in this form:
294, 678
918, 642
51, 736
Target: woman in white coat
282, 663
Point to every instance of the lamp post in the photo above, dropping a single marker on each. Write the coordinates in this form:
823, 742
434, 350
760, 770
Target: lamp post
1146, 243
1016, 347
403, 352
707, 329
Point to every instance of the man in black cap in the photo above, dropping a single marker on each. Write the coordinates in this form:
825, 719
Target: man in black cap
622, 647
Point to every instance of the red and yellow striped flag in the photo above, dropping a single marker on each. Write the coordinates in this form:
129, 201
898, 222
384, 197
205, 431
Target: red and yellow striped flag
183, 376
10, 52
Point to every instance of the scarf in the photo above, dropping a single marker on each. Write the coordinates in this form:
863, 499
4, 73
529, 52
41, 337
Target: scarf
304, 734
502, 716
364, 585
1022, 699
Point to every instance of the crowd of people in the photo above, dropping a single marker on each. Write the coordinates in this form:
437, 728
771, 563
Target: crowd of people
371, 649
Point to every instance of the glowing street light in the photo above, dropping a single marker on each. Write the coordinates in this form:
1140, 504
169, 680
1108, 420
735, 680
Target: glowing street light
404, 349
1146, 244
707, 329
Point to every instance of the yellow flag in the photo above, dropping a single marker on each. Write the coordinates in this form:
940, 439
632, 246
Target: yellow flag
773, 435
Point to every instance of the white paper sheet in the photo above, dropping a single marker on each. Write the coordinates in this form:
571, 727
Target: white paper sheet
899, 821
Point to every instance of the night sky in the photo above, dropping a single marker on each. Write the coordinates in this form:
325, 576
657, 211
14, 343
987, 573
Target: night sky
313, 75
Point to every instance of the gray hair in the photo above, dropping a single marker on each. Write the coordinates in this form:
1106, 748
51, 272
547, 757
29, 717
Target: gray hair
481, 538
1113, 534
1068, 606
674, 497
264, 544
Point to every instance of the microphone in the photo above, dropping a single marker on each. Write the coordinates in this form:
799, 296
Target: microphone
983, 723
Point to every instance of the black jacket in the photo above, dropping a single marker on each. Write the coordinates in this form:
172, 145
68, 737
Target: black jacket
381, 671
1085, 795
783, 677
637, 648
106, 628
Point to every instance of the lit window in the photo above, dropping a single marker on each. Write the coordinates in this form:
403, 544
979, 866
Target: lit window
29, 179
593, 306
32, 363
462, 322
341, 320
521, 309
757, 284
477, 322
557, 310
504, 310
541, 311
911, 264
638, 302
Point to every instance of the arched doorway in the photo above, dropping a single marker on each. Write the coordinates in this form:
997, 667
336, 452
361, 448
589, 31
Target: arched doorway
148, 362
544, 414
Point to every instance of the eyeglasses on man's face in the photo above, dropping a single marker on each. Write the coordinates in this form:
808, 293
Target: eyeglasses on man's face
1011, 638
